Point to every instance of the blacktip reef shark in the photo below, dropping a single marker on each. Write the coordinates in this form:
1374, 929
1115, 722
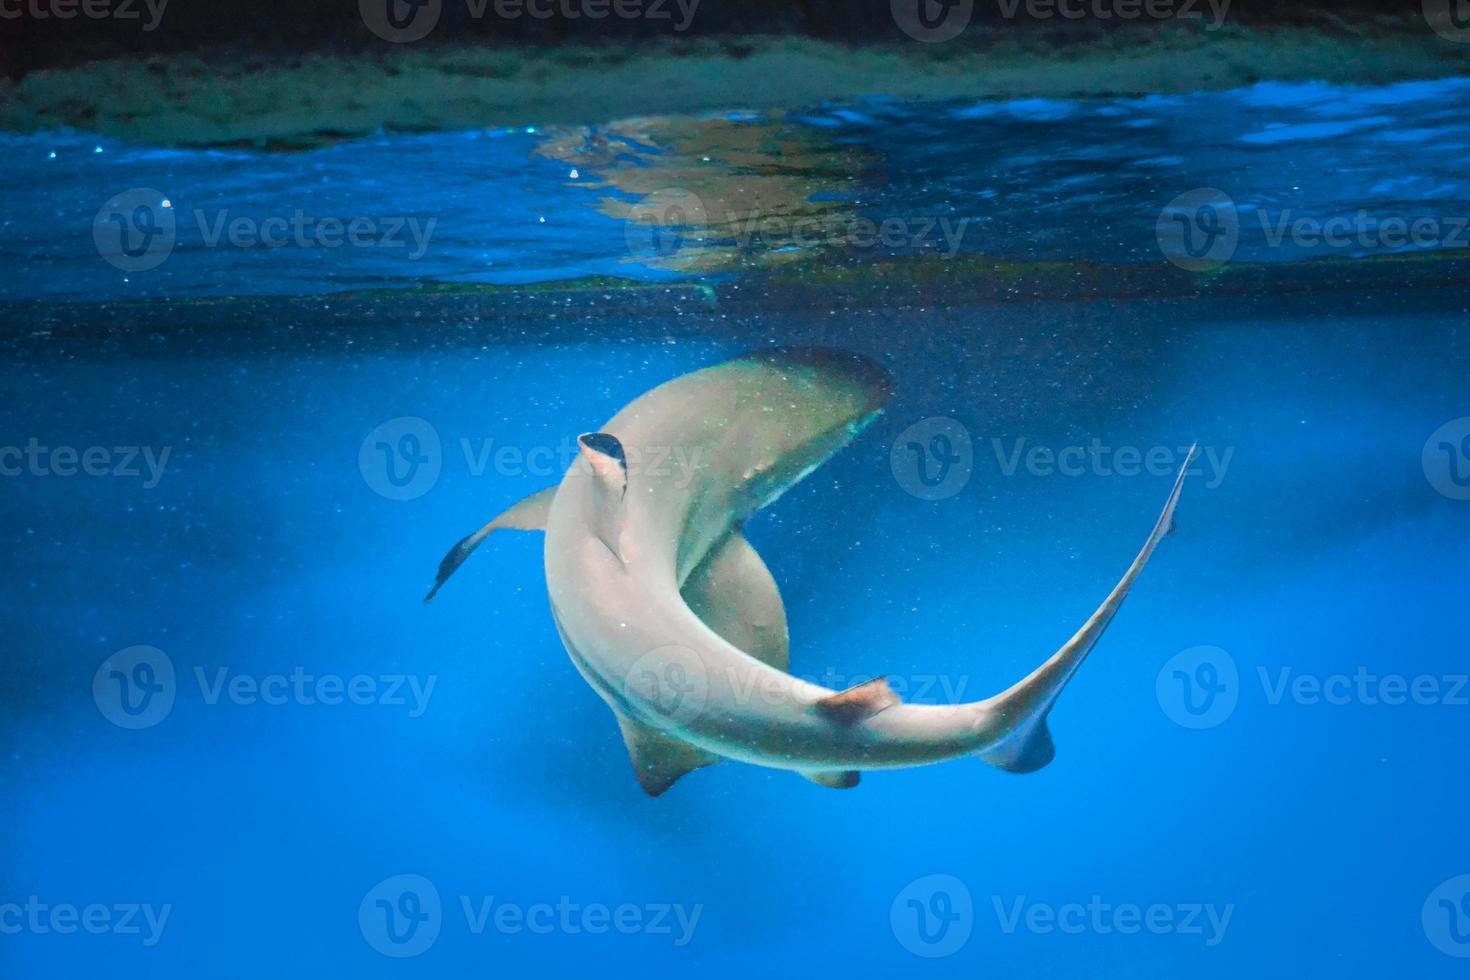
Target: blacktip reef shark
675, 621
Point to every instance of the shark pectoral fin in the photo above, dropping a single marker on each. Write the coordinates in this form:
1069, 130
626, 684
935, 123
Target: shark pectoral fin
1017, 718
659, 759
837, 779
526, 515
733, 593
857, 703
609, 463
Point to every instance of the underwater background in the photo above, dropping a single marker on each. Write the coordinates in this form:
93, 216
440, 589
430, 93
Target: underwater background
237, 744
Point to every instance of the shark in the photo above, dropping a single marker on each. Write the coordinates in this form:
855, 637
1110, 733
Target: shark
676, 622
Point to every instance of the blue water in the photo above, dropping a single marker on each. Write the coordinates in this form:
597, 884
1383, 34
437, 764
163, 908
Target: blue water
1025, 181
1323, 535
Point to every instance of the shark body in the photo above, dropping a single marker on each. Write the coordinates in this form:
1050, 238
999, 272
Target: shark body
673, 618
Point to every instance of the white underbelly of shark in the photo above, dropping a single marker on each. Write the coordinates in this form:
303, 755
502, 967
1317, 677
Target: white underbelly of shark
671, 616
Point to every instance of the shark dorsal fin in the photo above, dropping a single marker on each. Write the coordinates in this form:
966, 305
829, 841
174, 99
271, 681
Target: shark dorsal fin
604, 453
860, 702
609, 464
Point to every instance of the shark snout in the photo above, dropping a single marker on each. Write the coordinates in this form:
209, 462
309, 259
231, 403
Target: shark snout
844, 375
862, 383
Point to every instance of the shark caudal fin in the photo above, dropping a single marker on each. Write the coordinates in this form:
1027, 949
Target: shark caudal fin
525, 515
1018, 717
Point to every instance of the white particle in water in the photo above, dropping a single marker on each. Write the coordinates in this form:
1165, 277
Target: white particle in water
576, 173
